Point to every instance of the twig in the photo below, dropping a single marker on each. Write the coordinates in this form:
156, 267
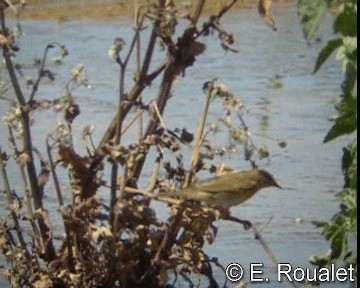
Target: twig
137, 116
217, 264
27, 143
124, 108
158, 114
40, 72
70, 255
119, 119
246, 144
164, 199
155, 174
200, 139
10, 67
216, 18
138, 60
198, 10
173, 227
12, 212
248, 225
26, 187
133, 94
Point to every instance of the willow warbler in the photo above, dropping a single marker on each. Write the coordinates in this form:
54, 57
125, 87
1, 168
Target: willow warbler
229, 189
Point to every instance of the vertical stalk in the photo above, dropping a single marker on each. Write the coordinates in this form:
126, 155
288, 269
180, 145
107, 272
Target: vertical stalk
161, 101
138, 61
133, 94
70, 255
198, 10
13, 214
199, 140
27, 143
27, 190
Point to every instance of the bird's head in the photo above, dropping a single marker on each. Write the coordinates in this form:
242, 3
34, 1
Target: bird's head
267, 180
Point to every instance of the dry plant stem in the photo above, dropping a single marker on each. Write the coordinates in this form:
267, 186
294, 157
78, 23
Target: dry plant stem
247, 140
155, 175
54, 174
248, 225
140, 85
138, 60
216, 262
158, 114
27, 146
138, 116
13, 214
258, 237
161, 100
153, 196
26, 187
123, 110
29, 208
56, 181
119, 120
166, 84
18, 92
172, 230
265, 245
199, 141
40, 74
123, 184
198, 11
224, 10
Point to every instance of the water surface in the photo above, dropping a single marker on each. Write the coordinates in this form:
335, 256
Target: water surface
298, 113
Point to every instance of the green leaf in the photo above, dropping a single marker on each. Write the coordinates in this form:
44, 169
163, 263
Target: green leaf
320, 224
325, 53
349, 168
345, 22
311, 13
341, 231
342, 127
346, 122
350, 79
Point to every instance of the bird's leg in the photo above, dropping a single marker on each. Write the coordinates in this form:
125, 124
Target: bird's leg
246, 223
214, 230
226, 216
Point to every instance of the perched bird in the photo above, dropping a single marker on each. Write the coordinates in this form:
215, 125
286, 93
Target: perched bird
229, 189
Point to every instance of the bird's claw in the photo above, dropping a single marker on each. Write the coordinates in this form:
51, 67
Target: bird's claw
247, 224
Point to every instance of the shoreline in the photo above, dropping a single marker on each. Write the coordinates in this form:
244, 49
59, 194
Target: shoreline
41, 10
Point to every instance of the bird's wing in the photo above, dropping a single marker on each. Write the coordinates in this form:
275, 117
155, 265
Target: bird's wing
226, 183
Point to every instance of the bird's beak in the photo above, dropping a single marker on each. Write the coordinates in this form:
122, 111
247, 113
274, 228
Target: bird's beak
278, 186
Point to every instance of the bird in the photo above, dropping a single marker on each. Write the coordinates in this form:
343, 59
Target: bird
228, 190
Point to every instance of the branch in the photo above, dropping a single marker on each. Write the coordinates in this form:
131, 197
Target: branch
247, 225
10, 204
41, 71
200, 139
28, 148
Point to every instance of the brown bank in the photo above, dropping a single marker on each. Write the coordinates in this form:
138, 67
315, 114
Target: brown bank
109, 10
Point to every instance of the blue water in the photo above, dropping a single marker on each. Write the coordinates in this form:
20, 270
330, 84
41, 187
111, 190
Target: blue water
298, 113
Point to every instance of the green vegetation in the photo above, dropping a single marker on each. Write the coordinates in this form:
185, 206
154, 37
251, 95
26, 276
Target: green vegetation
341, 230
